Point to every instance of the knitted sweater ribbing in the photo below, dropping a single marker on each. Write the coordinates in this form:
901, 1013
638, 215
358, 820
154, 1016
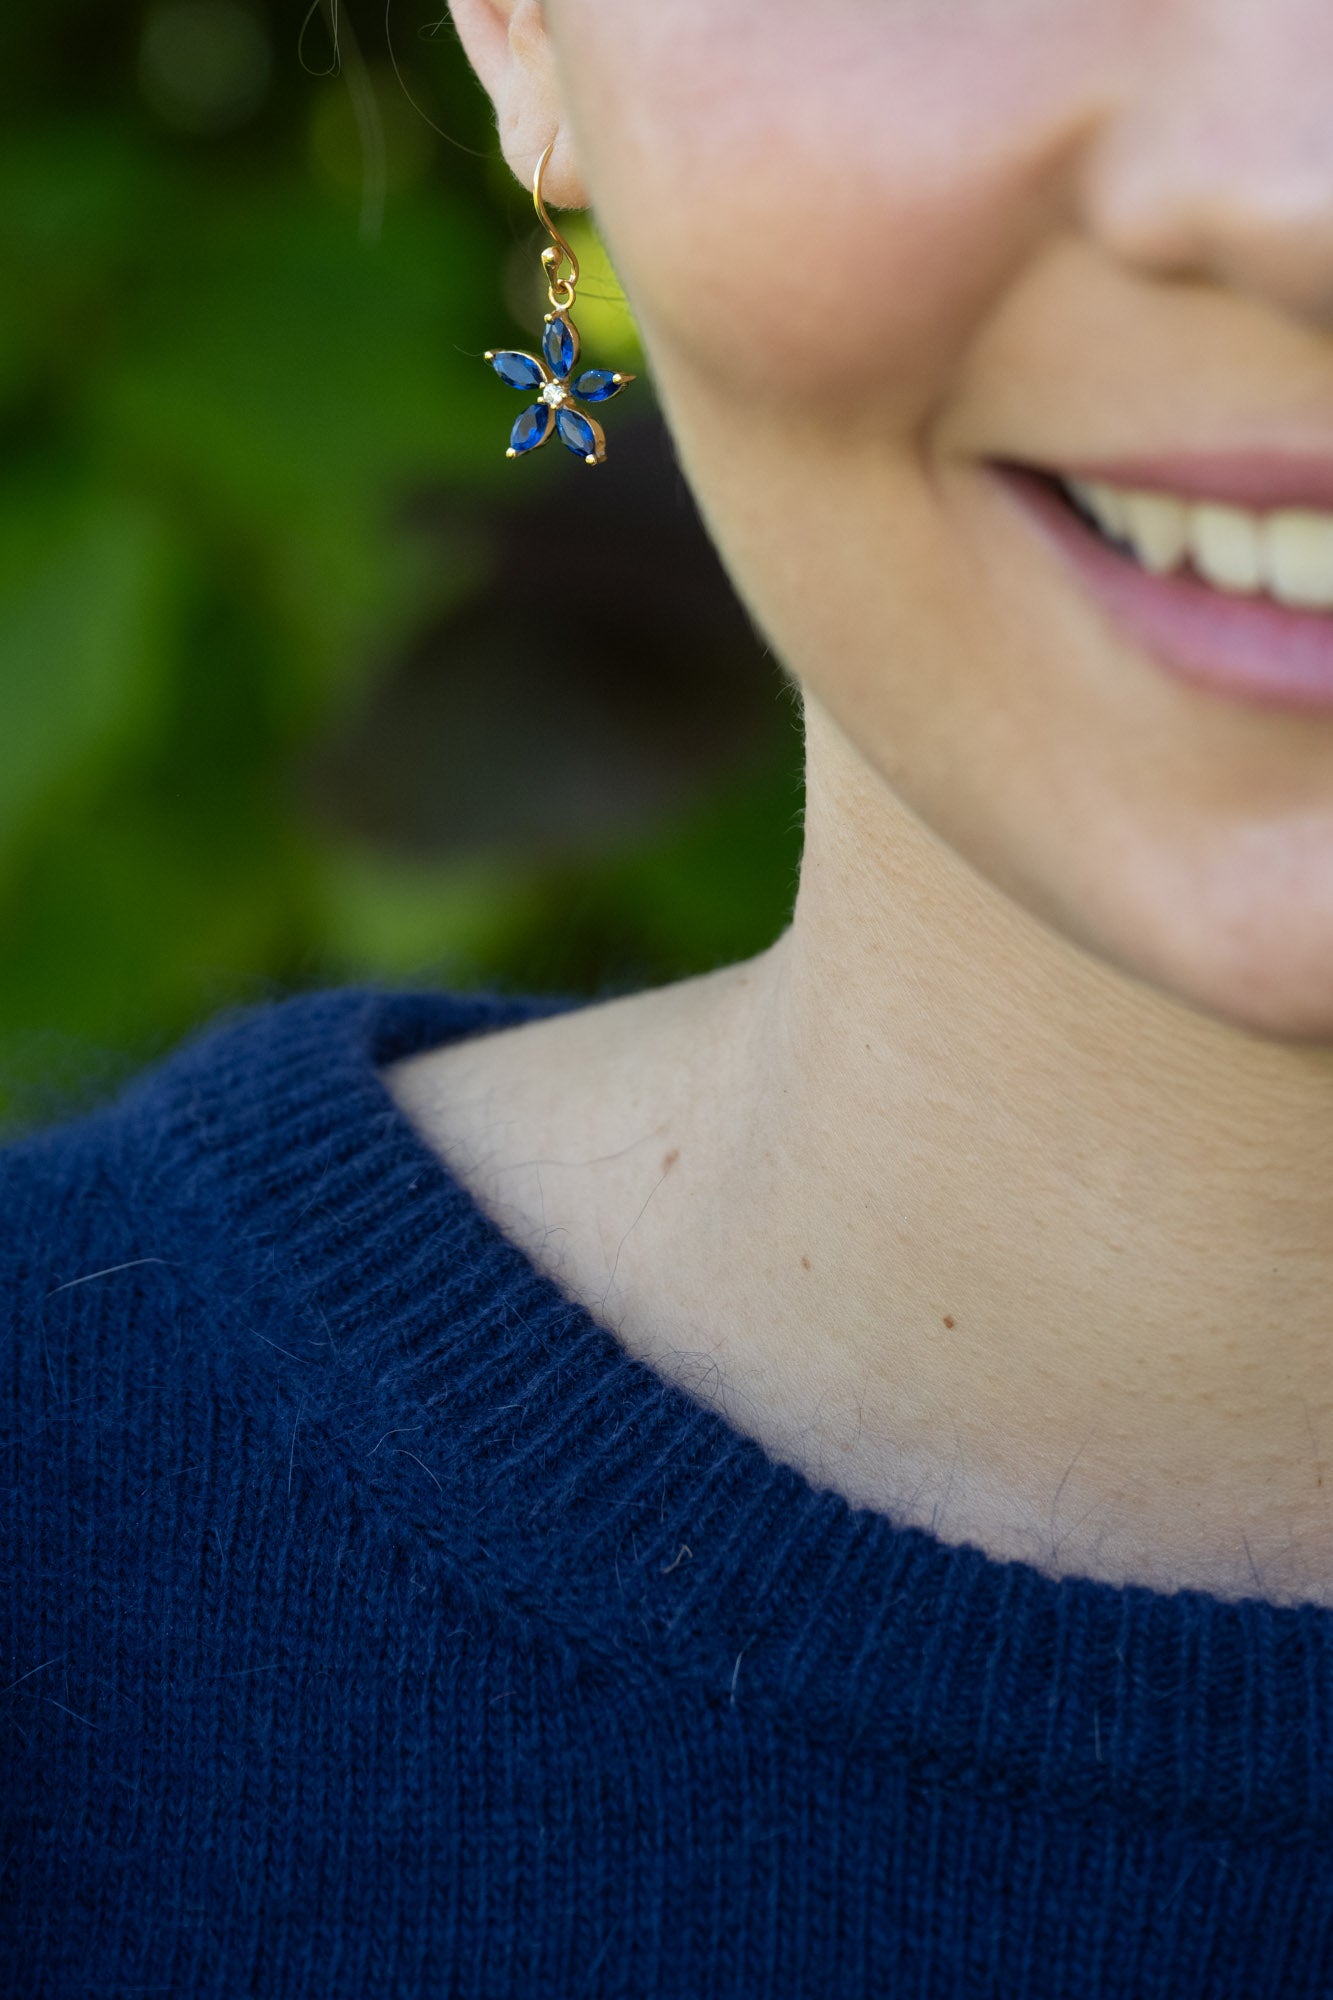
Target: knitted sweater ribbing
373, 1624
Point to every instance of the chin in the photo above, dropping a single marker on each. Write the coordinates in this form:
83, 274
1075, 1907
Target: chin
1264, 968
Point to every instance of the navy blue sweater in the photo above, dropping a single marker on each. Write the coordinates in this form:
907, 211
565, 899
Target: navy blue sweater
374, 1626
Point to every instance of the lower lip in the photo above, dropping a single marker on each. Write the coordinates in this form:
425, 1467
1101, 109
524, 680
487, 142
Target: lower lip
1248, 648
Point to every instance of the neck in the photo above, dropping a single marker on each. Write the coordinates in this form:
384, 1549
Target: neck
1048, 1252
948, 1213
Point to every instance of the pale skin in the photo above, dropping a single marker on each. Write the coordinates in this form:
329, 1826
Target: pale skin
998, 1193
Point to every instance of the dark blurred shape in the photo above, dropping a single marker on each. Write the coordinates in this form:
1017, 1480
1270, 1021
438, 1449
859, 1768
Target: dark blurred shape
601, 677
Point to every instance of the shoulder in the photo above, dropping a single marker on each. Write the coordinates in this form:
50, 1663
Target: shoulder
68, 1202
570, 1083
193, 1197
160, 1320
124, 1226
548, 1122
99, 1185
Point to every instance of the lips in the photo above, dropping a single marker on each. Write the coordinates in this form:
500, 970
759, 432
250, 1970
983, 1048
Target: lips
1261, 481
1223, 577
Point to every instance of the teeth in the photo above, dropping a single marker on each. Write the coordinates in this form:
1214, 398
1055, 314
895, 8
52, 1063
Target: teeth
1288, 552
1107, 507
1299, 558
1228, 547
1158, 530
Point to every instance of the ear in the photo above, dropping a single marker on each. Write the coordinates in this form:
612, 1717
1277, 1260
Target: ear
508, 46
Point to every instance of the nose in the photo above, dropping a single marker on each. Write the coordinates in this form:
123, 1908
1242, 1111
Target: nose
1215, 161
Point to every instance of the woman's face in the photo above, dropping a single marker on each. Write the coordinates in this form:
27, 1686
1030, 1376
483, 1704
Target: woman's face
891, 259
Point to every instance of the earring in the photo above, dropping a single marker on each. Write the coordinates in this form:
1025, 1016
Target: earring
554, 411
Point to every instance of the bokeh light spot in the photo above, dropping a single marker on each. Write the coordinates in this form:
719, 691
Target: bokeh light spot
204, 65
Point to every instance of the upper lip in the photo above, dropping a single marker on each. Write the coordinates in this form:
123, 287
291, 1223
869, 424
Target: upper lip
1260, 481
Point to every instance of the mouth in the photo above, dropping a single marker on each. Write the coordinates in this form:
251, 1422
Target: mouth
1221, 572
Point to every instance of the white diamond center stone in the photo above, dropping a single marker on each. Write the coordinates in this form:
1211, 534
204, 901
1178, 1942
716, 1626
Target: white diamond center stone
554, 394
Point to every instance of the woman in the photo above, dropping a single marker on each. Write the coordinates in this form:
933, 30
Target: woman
809, 1481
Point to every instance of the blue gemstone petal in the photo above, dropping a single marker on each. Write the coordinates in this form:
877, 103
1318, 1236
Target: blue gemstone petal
560, 345
532, 428
598, 385
520, 371
580, 434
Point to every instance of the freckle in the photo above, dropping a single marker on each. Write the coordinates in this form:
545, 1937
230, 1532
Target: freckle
805, 1263
948, 1319
669, 1159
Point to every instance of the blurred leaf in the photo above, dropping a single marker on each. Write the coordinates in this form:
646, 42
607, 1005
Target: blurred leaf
75, 200
85, 601
291, 385
389, 914
137, 915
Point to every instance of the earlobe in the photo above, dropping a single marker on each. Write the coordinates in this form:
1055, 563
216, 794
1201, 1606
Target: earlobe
506, 42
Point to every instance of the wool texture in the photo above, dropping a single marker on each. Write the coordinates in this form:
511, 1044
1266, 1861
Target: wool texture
374, 1625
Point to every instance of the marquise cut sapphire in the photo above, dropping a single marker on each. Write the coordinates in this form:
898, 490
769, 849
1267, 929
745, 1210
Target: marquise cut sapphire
520, 371
560, 345
598, 385
577, 433
532, 428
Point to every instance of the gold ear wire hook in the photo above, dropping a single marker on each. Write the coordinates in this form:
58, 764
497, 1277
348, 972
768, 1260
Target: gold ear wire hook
560, 290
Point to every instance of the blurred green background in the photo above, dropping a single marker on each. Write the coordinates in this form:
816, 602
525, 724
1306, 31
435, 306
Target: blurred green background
301, 681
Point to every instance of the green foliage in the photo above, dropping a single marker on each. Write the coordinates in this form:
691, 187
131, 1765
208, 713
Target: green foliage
233, 357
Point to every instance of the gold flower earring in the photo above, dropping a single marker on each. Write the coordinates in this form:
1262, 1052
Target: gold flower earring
555, 413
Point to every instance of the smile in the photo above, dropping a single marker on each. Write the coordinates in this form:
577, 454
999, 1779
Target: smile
1286, 553
1228, 597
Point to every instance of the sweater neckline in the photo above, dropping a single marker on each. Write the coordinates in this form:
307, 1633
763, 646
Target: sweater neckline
507, 1429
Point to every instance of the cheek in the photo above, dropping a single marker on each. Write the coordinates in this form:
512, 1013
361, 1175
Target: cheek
823, 197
